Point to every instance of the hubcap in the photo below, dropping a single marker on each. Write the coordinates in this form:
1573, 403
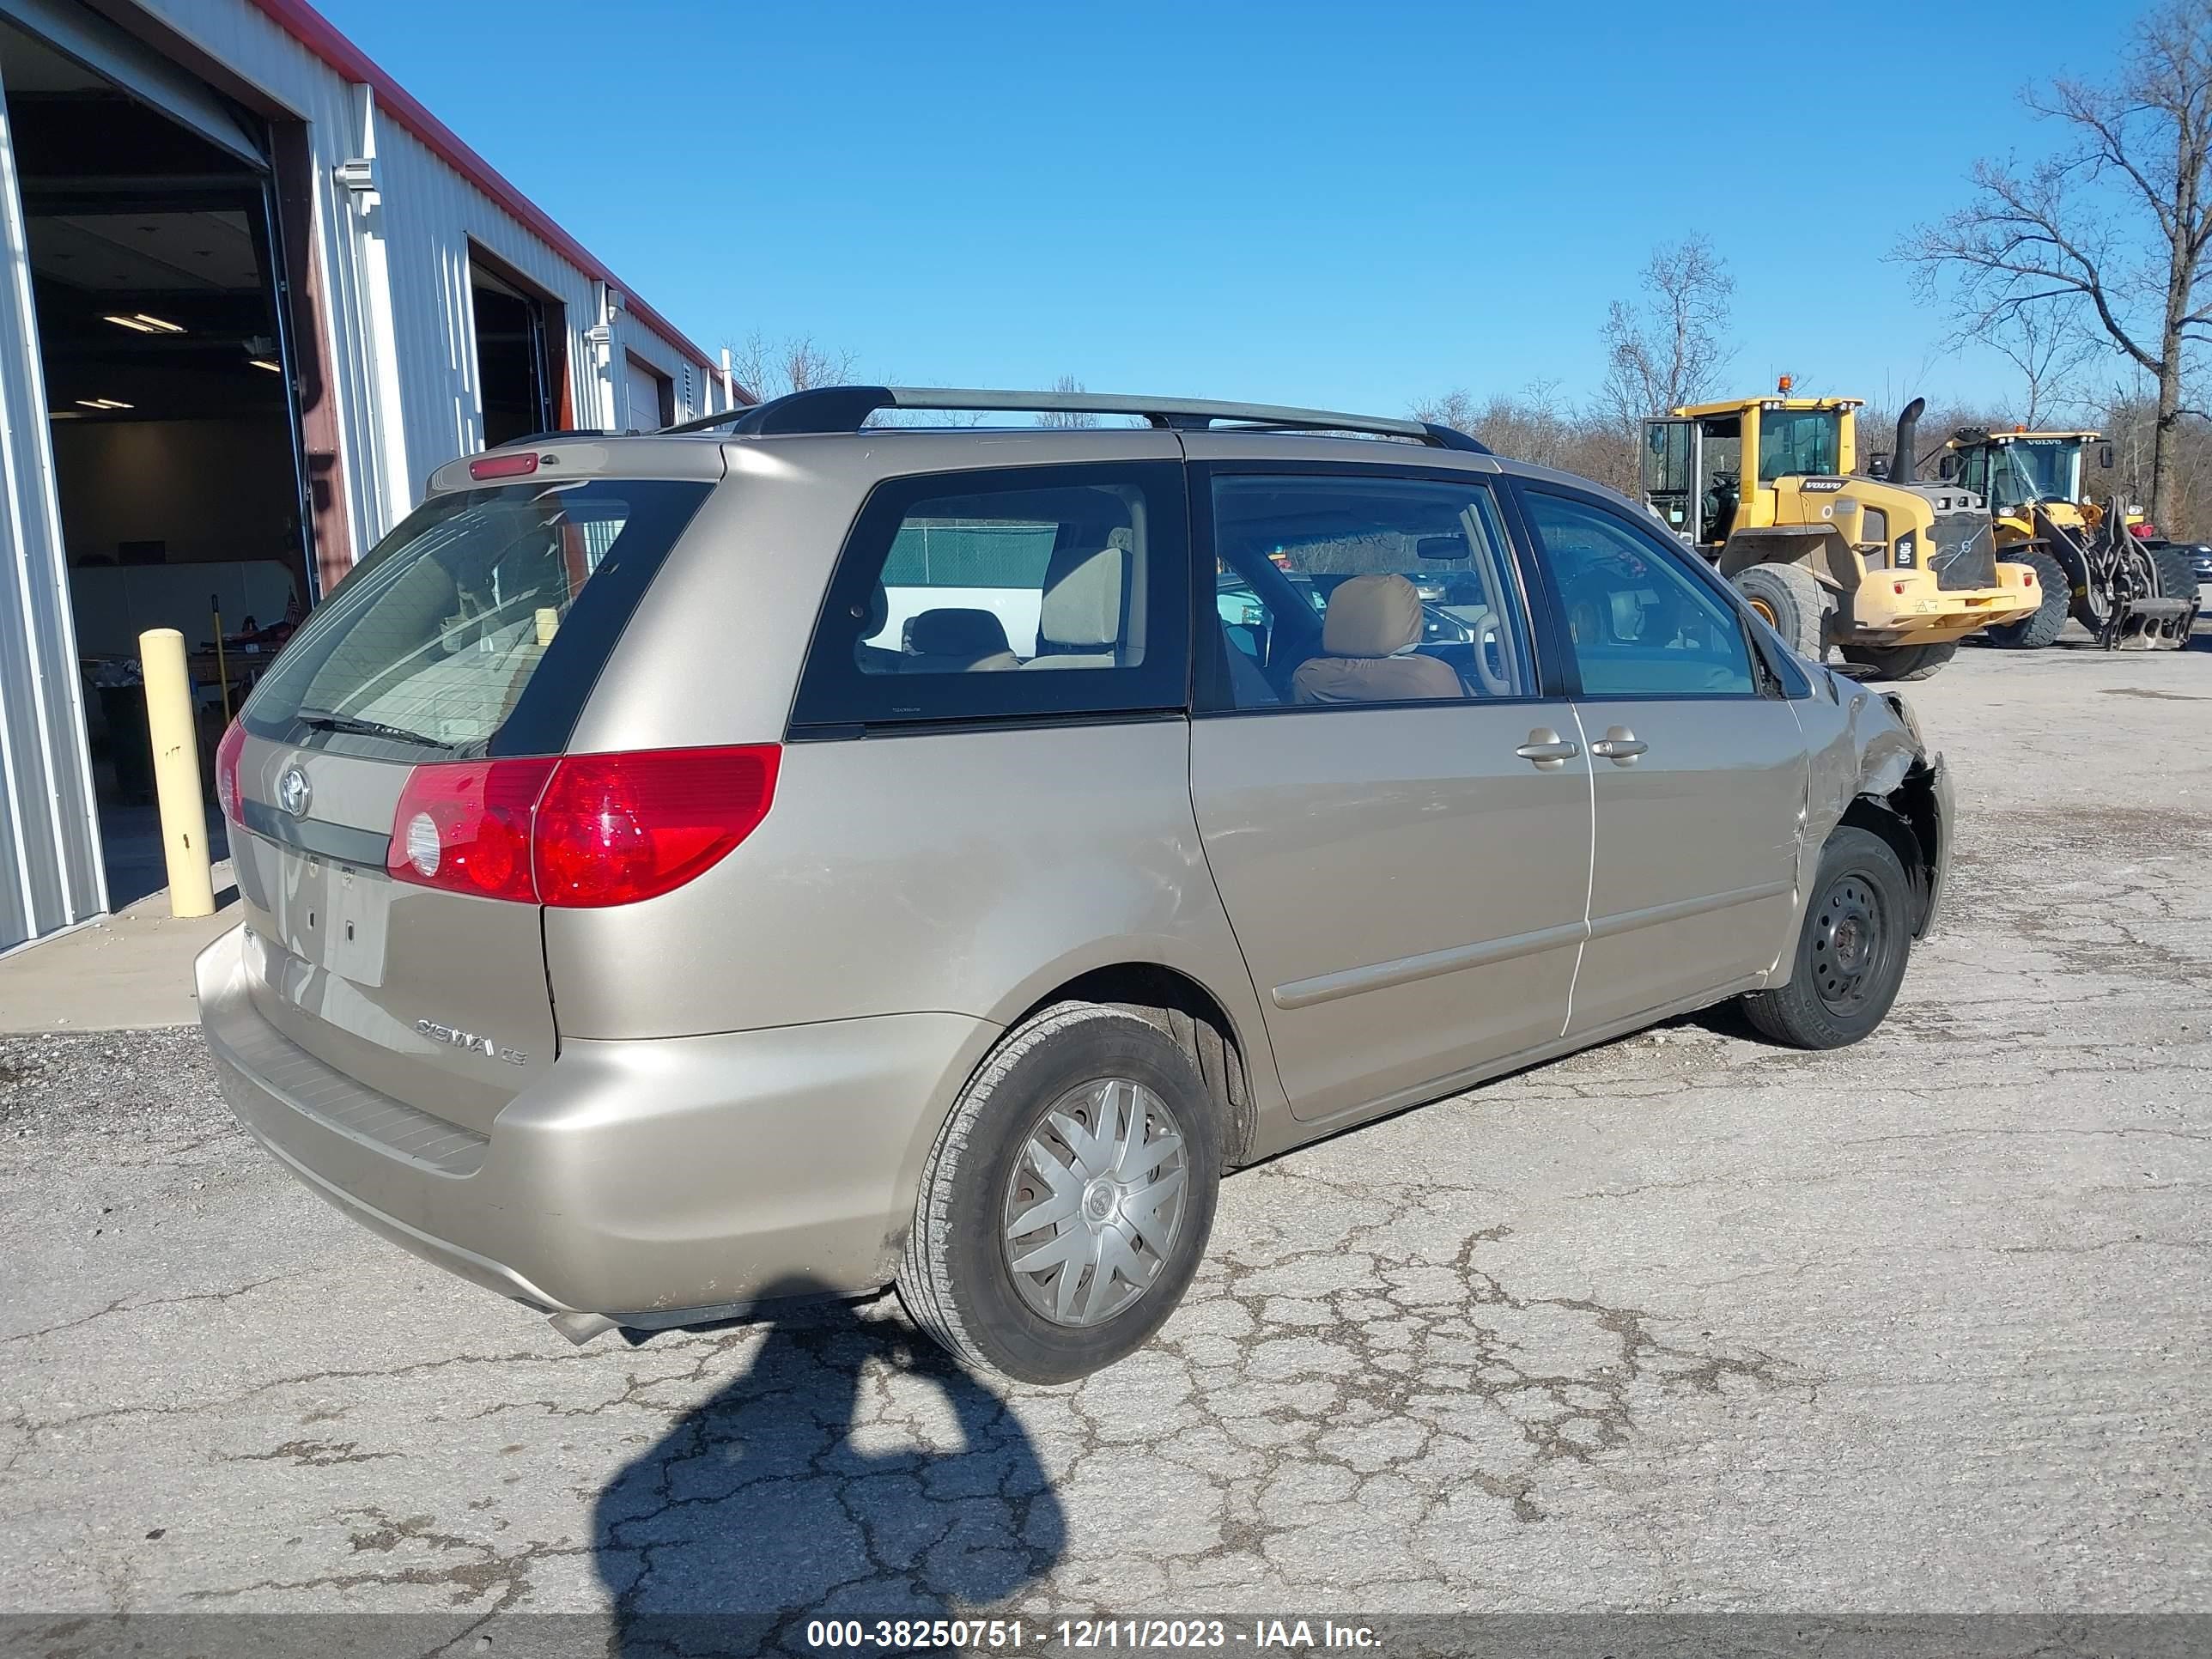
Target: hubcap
1095, 1202
1847, 943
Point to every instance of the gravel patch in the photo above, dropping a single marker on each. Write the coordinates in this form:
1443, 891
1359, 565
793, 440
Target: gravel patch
157, 1086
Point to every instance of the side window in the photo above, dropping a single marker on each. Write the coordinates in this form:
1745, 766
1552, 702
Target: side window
1340, 589
1021, 592
1641, 627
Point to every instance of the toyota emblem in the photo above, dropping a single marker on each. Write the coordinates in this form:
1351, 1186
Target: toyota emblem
294, 792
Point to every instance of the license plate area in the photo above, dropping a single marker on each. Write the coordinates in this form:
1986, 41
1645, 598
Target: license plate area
332, 915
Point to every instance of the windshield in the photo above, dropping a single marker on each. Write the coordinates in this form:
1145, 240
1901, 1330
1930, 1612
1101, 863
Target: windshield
1799, 442
2033, 469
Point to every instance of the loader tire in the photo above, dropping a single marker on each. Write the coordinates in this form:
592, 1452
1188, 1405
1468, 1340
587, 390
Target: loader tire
1791, 600
2177, 577
1851, 949
1902, 662
2041, 626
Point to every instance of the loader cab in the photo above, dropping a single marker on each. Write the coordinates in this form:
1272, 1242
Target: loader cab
2020, 469
1694, 460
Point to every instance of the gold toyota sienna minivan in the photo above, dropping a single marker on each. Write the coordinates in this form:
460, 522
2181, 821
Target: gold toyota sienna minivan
790, 849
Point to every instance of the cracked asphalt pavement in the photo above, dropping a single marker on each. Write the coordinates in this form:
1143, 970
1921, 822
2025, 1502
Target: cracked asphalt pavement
1685, 1322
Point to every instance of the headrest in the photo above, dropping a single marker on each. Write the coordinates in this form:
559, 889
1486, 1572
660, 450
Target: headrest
1083, 591
1371, 616
880, 613
956, 631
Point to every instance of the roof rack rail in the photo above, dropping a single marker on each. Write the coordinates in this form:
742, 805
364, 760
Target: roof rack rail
847, 408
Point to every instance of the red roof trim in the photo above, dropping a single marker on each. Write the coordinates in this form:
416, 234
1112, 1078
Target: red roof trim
320, 36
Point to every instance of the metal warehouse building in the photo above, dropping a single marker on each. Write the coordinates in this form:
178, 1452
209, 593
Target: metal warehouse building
251, 294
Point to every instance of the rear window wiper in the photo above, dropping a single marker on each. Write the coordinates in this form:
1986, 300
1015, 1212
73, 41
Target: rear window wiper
324, 720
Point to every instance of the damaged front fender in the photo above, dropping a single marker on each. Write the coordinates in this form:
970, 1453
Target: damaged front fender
1871, 768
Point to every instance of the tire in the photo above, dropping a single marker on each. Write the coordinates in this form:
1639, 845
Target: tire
1845, 979
2041, 626
2177, 577
957, 1280
1902, 662
1791, 601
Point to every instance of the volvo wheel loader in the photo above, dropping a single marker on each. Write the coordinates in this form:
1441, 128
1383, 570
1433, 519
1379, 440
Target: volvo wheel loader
1891, 572
2092, 561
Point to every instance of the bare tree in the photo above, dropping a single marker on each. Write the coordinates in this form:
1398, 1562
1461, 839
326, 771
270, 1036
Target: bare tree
1066, 418
2119, 223
2050, 348
1671, 348
1536, 427
769, 368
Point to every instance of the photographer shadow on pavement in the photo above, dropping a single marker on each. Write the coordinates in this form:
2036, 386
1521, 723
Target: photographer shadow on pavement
852, 1471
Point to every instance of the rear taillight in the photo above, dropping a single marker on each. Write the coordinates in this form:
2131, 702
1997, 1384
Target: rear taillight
465, 826
583, 831
614, 828
227, 755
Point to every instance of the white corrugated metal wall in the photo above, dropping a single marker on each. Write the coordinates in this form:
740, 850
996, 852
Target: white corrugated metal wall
50, 874
407, 331
399, 331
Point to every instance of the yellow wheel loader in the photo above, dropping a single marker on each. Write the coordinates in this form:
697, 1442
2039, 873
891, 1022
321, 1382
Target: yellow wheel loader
1891, 572
2094, 562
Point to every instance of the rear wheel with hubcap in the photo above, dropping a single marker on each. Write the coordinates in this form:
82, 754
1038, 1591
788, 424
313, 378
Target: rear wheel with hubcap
1067, 1201
1851, 952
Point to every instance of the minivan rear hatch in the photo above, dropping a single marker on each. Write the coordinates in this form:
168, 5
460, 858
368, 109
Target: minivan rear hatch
469, 638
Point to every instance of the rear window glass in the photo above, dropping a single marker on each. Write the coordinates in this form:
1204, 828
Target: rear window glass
477, 626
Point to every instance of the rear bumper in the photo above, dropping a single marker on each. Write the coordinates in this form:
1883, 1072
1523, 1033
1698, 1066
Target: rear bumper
642, 1178
1926, 614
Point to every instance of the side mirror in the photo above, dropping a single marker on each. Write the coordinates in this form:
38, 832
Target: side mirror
2105, 457
1947, 467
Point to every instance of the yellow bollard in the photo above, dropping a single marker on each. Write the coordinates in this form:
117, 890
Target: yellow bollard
171, 723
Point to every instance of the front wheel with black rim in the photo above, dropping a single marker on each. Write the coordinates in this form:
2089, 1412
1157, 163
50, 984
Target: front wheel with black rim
1851, 951
1066, 1202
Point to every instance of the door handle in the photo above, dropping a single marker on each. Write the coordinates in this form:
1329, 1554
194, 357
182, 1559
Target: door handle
1548, 750
1620, 745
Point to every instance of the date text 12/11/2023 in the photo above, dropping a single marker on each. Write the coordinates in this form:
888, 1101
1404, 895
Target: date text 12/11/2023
1083, 1635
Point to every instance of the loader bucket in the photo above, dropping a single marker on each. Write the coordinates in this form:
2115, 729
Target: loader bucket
2150, 625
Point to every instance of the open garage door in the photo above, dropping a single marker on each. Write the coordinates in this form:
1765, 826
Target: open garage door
165, 430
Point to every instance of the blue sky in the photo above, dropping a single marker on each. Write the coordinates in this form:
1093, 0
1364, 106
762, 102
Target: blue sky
1353, 206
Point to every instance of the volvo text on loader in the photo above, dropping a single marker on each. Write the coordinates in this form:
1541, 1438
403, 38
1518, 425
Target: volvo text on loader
2097, 562
1891, 572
